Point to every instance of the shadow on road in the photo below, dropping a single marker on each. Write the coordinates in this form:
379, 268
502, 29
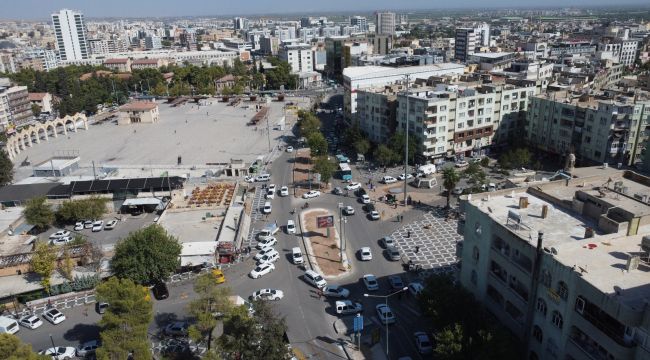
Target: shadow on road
82, 333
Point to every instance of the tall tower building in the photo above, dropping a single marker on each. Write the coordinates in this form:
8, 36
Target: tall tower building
359, 21
385, 23
70, 31
465, 45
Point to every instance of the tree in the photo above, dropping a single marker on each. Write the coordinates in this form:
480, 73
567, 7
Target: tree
325, 168
146, 255
38, 213
450, 179
308, 123
449, 343
36, 109
126, 321
475, 174
265, 332
67, 265
75, 210
397, 143
384, 155
361, 146
43, 262
12, 348
6, 168
212, 299
317, 144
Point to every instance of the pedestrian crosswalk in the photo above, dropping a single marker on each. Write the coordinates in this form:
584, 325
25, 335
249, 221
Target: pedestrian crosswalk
256, 215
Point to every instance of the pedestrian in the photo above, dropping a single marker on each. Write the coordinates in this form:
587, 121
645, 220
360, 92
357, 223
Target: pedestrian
319, 292
408, 234
248, 249
417, 249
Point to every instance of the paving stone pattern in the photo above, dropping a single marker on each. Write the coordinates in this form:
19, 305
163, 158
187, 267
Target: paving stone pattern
256, 215
437, 252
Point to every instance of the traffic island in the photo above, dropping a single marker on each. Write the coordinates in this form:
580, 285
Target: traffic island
322, 243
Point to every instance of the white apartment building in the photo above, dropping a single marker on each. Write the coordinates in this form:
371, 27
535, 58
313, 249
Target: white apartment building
106, 46
359, 21
70, 32
153, 42
7, 63
299, 56
385, 23
483, 34
306, 34
285, 33
619, 50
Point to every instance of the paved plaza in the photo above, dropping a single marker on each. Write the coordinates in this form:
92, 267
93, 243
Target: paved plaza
436, 238
200, 135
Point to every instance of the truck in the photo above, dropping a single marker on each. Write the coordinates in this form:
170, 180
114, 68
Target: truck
427, 169
268, 231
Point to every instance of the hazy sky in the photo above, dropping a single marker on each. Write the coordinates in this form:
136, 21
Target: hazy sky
41, 9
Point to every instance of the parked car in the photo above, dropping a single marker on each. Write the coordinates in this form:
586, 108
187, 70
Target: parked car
263, 177
160, 290
98, 225
415, 288
61, 241
345, 307
291, 227
249, 179
365, 254
101, 307
178, 328
388, 180
267, 294
315, 279
457, 190
402, 176
370, 207
289, 149
88, 348
348, 210
78, 226
375, 215
365, 199
296, 256
422, 343
387, 241
262, 270
54, 316
59, 234
393, 253
353, 186
461, 163
266, 243
396, 282
284, 191
30, 322
267, 207
269, 258
338, 191
263, 252
385, 314
110, 225
88, 224
311, 194
370, 281
336, 291
59, 352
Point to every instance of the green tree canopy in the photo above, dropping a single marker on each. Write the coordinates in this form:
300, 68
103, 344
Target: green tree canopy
146, 255
6, 169
280, 75
39, 213
308, 123
43, 262
450, 179
212, 299
385, 156
126, 321
361, 146
12, 348
317, 144
325, 168
75, 210
397, 143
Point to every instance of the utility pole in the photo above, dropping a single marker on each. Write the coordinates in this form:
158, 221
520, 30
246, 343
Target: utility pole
406, 146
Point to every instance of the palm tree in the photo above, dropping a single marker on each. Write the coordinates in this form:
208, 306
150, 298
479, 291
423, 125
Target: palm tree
450, 178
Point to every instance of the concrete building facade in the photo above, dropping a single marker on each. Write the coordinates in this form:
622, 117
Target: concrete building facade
385, 23
465, 44
138, 112
70, 32
299, 56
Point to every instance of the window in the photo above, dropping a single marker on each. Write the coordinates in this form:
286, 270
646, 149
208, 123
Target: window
461, 105
541, 306
546, 278
557, 320
461, 115
537, 334
475, 254
562, 290
460, 125
488, 100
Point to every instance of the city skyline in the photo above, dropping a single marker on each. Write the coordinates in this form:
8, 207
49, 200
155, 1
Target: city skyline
41, 9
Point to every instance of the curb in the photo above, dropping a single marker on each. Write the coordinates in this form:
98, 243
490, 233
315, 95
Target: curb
308, 249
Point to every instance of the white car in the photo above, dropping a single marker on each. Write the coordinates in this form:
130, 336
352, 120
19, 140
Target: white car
78, 226
291, 227
270, 194
387, 241
365, 199
88, 224
402, 176
348, 210
61, 241
88, 348
267, 208
267, 294
59, 234
249, 179
365, 254
415, 288
462, 163
261, 270
30, 322
263, 252
284, 191
263, 177
311, 194
60, 352
269, 258
375, 215
267, 243
271, 187
336, 291
353, 186
385, 314
289, 149
110, 225
388, 180
98, 225
422, 343
54, 316
370, 281
178, 328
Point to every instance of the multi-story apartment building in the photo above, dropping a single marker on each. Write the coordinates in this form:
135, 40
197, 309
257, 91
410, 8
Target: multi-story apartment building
381, 44
39, 59
623, 51
70, 31
153, 42
307, 34
107, 46
564, 264
240, 23
376, 110
269, 45
7, 63
385, 23
361, 22
299, 56
465, 44
17, 107
4, 111
610, 127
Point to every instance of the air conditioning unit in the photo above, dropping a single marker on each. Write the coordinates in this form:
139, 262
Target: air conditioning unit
641, 197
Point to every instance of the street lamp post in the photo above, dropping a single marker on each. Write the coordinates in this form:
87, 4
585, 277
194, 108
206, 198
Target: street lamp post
52, 340
406, 145
385, 297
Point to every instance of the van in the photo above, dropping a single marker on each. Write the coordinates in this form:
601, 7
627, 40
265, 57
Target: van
267, 207
427, 169
315, 279
8, 325
263, 177
388, 180
296, 256
345, 307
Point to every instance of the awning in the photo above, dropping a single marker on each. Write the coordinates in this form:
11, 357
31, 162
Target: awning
142, 201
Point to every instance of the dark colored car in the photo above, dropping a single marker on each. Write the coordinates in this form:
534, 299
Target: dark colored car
160, 291
369, 207
101, 307
360, 191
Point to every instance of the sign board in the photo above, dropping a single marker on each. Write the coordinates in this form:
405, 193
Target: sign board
358, 323
325, 221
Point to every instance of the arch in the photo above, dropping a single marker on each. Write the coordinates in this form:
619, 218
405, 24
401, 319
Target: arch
41, 132
68, 120
50, 129
33, 136
27, 141
59, 126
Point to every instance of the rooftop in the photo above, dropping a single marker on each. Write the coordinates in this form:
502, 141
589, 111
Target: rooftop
37, 96
116, 61
56, 164
145, 62
139, 106
360, 72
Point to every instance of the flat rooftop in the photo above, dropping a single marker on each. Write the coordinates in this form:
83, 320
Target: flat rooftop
601, 260
56, 164
359, 72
